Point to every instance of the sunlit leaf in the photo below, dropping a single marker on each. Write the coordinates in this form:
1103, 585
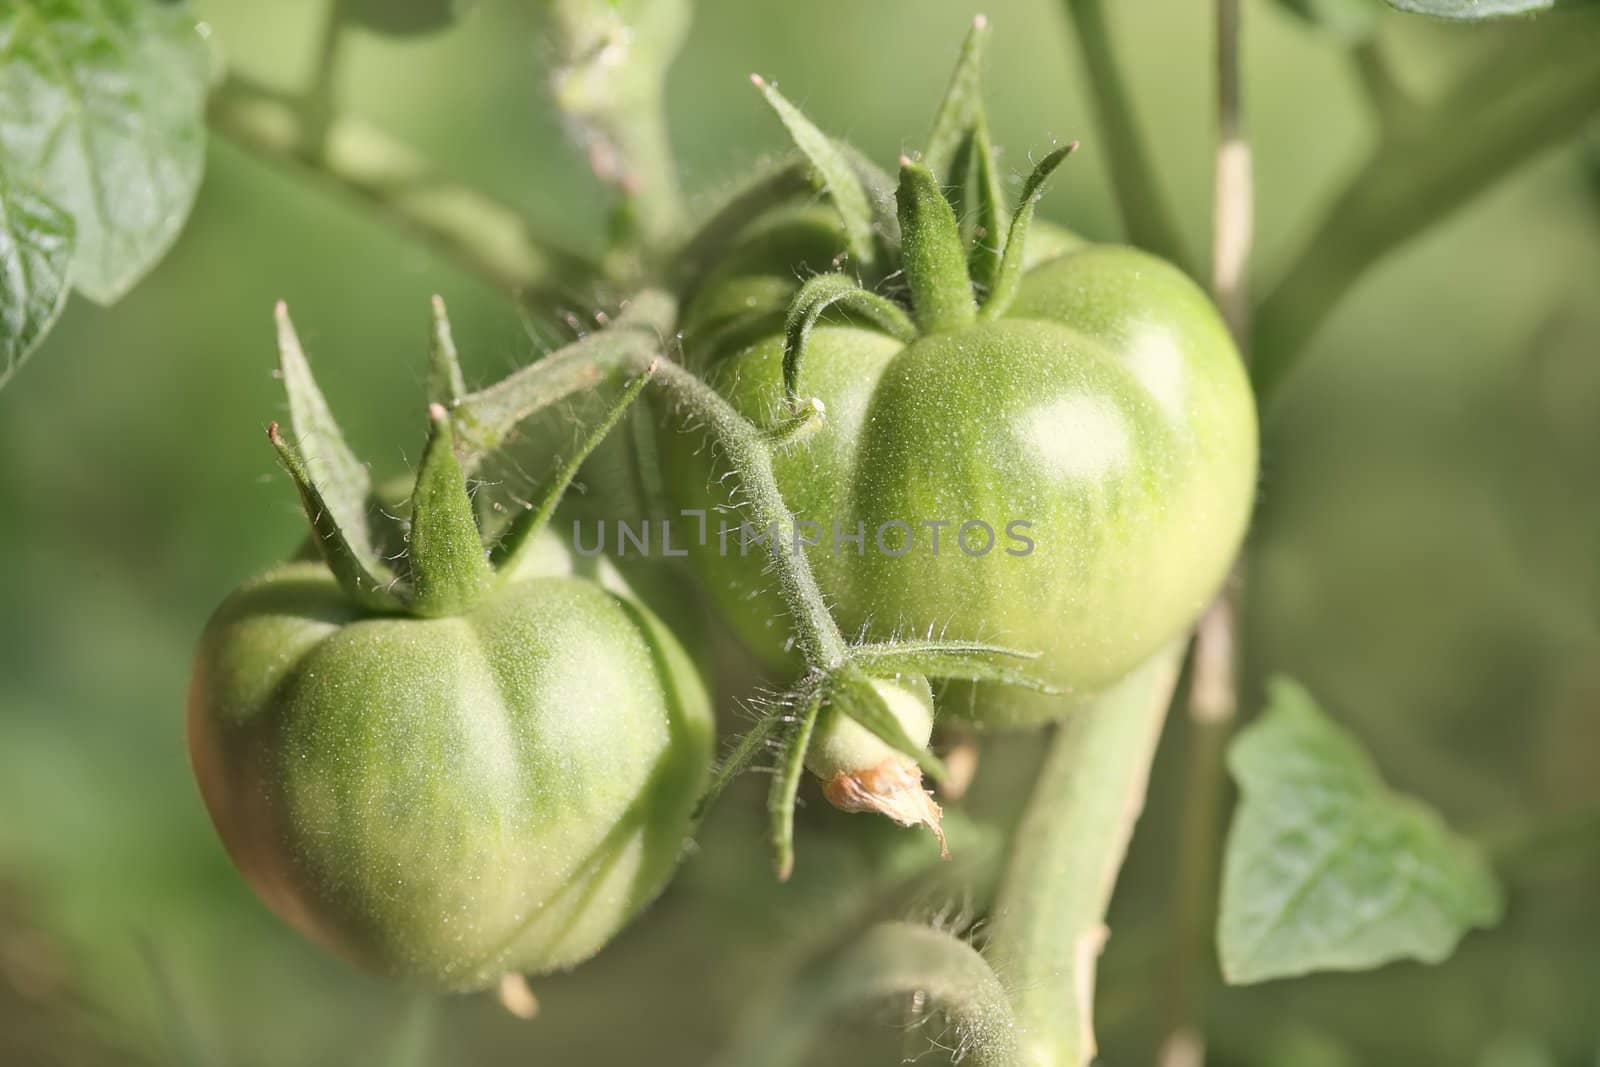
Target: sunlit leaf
101, 110
36, 240
1471, 10
1329, 869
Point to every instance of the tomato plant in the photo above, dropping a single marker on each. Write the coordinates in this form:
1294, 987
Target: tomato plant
940, 465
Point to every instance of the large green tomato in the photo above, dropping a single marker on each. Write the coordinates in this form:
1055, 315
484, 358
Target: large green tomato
1073, 478
449, 799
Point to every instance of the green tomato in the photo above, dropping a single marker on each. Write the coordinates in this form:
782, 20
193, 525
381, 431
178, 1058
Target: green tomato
1091, 456
449, 799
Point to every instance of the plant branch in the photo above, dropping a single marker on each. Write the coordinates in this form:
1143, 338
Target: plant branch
887, 960
318, 104
611, 60
1214, 687
1049, 918
630, 345
1146, 215
484, 236
1537, 92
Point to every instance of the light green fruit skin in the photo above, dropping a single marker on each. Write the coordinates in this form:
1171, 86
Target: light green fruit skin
1108, 407
446, 800
840, 745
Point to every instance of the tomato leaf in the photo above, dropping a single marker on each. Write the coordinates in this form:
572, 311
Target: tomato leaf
36, 241
101, 110
1327, 868
1476, 10
833, 173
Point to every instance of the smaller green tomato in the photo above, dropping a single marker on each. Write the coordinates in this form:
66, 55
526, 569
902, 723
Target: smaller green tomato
859, 772
446, 800
483, 763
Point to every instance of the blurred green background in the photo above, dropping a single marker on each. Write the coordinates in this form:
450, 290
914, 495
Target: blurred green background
1424, 558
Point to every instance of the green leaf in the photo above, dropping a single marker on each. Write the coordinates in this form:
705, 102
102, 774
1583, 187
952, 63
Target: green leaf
449, 568
1326, 867
1474, 10
36, 241
932, 253
406, 17
101, 110
833, 173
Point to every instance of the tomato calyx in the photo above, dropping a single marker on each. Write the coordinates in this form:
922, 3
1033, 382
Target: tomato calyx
447, 567
954, 273
855, 729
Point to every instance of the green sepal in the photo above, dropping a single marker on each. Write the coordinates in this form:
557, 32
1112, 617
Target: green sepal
932, 253
849, 689
342, 479
446, 385
808, 417
513, 553
813, 300
880, 187
360, 574
786, 782
964, 660
833, 174
988, 240
449, 570
1009, 278
962, 106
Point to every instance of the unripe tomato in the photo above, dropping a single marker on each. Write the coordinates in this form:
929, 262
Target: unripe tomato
448, 799
1091, 455
861, 773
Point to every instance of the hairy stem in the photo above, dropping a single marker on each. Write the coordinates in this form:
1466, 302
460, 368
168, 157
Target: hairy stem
609, 83
1540, 90
1049, 919
484, 236
632, 344
1146, 215
890, 959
